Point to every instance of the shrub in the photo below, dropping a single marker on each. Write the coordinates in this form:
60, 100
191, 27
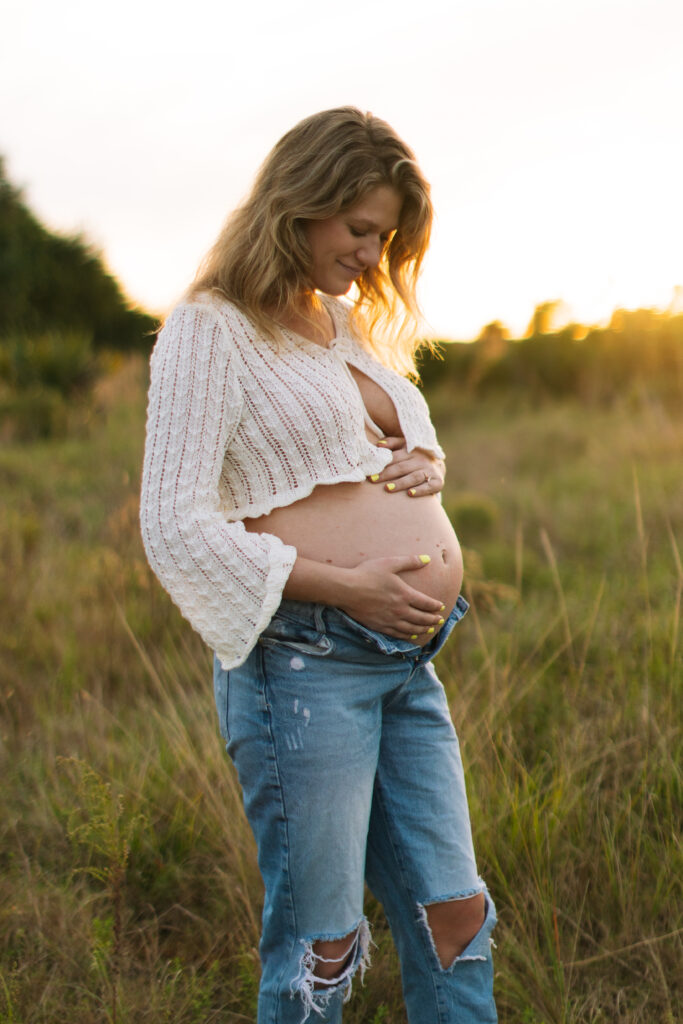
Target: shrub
61, 360
47, 380
473, 515
32, 414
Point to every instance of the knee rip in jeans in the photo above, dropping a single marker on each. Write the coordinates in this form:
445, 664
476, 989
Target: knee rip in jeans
474, 942
316, 990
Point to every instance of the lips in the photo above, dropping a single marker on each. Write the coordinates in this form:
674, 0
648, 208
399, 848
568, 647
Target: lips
350, 270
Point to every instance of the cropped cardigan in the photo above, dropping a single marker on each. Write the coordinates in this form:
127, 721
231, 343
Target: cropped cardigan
237, 425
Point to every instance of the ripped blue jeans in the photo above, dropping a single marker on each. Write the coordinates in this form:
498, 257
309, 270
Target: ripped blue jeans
351, 772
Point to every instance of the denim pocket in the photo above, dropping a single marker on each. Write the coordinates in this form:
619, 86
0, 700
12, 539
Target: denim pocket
307, 637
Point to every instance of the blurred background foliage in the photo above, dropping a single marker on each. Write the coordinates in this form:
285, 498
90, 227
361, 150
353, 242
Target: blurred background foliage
55, 282
62, 315
638, 348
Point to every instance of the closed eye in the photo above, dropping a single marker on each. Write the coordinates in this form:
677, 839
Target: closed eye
384, 239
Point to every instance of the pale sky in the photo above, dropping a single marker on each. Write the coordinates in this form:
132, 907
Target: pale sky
550, 131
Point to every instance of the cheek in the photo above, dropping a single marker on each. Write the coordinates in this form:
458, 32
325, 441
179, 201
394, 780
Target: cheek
339, 240
328, 241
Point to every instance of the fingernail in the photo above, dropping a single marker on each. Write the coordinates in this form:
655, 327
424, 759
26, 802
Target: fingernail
374, 477
431, 629
443, 608
441, 622
425, 559
413, 636
411, 492
391, 487
381, 442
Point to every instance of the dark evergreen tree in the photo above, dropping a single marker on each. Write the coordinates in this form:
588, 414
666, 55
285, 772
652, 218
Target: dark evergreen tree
56, 282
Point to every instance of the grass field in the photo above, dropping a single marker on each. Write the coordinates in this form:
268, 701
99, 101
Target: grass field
129, 891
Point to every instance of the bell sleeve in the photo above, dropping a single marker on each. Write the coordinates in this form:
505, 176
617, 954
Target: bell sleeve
226, 581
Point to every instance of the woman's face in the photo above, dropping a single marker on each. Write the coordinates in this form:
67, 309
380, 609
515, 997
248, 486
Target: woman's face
345, 245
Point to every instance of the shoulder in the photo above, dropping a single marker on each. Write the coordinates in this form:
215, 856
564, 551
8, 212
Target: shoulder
204, 306
199, 335
210, 315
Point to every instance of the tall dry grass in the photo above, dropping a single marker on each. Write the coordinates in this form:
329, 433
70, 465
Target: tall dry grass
129, 890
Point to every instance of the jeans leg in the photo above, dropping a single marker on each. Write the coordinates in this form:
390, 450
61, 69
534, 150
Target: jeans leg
420, 852
303, 730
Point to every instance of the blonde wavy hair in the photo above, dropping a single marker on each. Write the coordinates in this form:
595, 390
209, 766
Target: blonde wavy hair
328, 162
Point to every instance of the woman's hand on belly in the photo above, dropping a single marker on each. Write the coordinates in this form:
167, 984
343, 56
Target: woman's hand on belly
415, 472
383, 601
372, 592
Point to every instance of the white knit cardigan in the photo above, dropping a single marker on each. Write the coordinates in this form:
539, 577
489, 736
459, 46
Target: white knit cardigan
238, 425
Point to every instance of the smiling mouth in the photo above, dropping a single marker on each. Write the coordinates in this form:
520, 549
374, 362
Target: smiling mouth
350, 270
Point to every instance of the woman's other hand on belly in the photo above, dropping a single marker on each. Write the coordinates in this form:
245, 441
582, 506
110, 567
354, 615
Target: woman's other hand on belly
415, 472
373, 593
383, 601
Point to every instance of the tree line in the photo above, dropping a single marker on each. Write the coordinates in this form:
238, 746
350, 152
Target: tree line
639, 350
61, 309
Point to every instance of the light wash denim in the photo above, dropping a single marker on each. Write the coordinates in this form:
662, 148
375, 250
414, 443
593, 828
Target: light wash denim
351, 772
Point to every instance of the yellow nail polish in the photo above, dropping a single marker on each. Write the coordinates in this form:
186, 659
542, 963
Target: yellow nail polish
431, 629
441, 622
374, 477
413, 636
391, 487
381, 442
425, 559
411, 492
443, 608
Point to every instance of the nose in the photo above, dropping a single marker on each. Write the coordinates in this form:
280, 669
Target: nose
369, 252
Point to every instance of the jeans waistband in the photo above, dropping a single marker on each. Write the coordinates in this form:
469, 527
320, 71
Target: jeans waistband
330, 620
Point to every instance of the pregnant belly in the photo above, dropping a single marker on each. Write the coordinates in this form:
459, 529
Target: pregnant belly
344, 524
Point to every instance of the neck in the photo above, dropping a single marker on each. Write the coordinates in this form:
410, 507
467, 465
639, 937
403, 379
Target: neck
309, 318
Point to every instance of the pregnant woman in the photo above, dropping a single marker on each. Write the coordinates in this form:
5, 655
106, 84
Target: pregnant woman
290, 506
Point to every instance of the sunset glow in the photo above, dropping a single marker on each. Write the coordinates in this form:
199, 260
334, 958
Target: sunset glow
549, 132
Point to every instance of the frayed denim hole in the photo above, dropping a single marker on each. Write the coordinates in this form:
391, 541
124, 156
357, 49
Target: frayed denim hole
315, 992
479, 946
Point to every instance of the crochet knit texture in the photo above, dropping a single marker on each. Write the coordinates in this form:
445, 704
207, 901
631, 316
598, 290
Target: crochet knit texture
238, 425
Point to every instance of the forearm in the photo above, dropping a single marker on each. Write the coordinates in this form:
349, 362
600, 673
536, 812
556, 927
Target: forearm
318, 581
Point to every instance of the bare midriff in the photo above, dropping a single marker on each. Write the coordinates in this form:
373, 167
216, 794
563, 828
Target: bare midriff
347, 523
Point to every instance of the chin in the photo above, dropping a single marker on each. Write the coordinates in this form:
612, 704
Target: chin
334, 289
